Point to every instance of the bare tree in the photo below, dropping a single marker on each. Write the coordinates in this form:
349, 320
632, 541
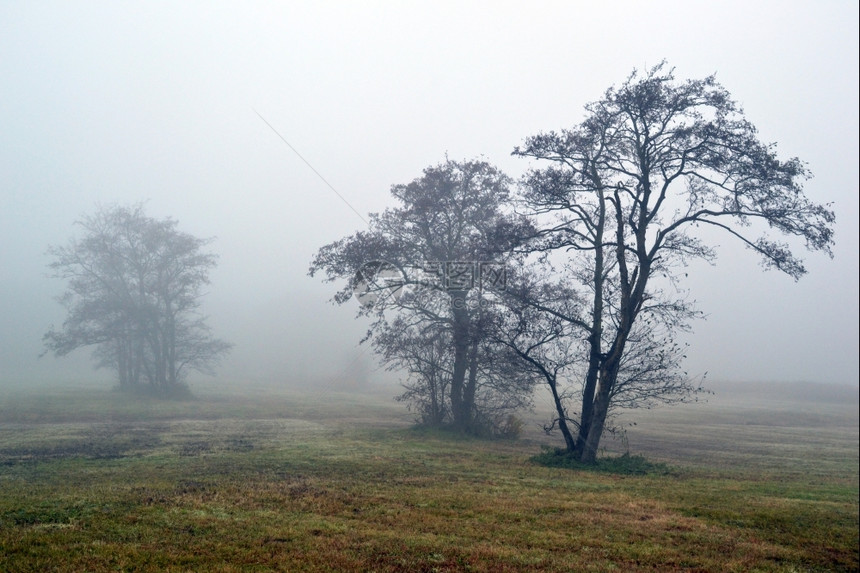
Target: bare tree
448, 232
134, 288
625, 191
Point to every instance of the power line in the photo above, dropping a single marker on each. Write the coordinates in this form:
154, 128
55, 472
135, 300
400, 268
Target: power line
294, 150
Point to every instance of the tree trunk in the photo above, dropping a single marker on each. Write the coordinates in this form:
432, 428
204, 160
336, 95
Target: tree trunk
122, 362
588, 454
461, 416
595, 355
437, 412
170, 344
471, 385
569, 442
608, 376
588, 395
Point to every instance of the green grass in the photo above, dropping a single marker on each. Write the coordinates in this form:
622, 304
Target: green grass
297, 482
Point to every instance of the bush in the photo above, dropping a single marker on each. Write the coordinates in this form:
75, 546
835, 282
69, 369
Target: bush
622, 465
507, 427
503, 426
511, 428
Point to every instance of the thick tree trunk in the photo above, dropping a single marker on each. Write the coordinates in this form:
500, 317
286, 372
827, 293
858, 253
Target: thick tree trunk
632, 289
588, 397
459, 412
595, 355
588, 454
608, 376
471, 386
170, 345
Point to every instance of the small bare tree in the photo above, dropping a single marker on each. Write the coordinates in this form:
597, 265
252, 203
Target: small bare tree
424, 355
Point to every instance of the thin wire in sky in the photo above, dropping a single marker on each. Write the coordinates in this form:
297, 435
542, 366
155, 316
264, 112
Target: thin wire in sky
312, 167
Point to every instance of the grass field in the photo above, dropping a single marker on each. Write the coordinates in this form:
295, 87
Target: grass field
756, 481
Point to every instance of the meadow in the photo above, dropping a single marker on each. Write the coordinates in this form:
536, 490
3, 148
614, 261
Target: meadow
759, 478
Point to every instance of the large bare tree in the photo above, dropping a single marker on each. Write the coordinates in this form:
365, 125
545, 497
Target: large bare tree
624, 196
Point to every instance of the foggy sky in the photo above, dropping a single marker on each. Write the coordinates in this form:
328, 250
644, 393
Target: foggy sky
105, 103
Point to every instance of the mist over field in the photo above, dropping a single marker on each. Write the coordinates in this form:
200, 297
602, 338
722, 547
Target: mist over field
115, 104
526, 437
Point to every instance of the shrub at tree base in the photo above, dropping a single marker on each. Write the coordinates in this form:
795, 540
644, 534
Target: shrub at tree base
624, 464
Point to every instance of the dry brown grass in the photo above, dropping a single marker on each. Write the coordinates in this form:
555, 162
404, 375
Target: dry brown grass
291, 483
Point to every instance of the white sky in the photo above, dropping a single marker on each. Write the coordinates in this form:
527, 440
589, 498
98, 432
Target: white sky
107, 102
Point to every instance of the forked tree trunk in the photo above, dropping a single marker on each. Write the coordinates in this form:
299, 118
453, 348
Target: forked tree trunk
588, 398
609, 371
588, 453
595, 356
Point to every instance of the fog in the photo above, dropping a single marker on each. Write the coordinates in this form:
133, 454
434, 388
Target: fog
104, 103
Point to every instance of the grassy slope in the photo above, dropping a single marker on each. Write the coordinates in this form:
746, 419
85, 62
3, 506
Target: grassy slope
337, 482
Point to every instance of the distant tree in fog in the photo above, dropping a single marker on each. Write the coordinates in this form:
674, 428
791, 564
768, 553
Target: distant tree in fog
133, 293
429, 268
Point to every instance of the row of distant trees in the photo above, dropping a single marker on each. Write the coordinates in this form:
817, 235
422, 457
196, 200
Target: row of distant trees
480, 287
